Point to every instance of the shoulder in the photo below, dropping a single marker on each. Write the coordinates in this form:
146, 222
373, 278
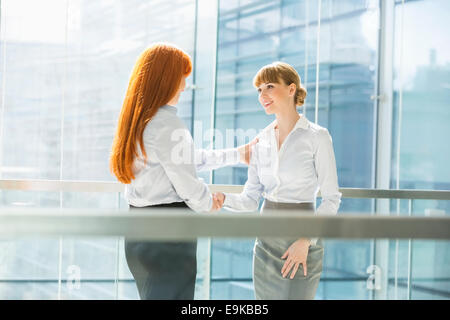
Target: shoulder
163, 123
318, 131
320, 135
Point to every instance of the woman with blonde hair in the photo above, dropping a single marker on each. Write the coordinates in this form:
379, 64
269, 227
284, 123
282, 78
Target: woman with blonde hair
153, 154
293, 159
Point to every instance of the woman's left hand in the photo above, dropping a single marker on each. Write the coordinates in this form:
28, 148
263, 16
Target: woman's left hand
295, 255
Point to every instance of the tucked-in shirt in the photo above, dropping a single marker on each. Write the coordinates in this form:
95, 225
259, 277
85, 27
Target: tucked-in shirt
169, 174
304, 165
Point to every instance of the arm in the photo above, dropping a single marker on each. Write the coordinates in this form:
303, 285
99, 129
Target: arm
248, 199
172, 146
212, 159
325, 164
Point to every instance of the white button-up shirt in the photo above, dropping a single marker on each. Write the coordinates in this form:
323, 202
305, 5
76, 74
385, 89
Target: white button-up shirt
304, 164
170, 172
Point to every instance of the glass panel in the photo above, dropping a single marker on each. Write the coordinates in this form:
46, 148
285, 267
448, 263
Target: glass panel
32, 73
104, 39
421, 102
347, 78
29, 267
65, 67
421, 96
430, 275
232, 290
90, 265
349, 289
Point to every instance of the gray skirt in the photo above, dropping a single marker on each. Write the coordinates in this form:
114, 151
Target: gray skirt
267, 263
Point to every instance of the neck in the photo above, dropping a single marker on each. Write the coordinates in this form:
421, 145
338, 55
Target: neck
286, 120
173, 102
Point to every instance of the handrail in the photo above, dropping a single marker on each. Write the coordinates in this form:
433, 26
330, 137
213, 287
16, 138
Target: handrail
61, 185
172, 224
106, 186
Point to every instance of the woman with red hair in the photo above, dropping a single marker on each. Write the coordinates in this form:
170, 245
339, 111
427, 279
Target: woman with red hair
146, 157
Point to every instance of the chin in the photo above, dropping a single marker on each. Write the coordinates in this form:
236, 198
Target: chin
269, 111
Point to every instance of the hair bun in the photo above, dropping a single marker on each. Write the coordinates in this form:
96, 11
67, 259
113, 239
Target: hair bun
300, 96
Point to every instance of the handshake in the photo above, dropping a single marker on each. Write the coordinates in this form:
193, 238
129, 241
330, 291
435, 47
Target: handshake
218, 200
245, 154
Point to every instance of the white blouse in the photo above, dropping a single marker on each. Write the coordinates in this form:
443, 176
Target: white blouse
170, 172
304, 164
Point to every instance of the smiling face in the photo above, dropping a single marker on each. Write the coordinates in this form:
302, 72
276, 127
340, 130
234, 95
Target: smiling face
279, 87
274, 96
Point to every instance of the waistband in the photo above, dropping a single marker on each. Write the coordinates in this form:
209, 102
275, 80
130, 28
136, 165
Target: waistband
288, 206
163, 205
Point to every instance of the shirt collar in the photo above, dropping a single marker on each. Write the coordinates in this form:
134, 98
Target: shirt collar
171, 109
301, 123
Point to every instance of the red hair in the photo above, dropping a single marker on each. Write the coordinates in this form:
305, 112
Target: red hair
154, 81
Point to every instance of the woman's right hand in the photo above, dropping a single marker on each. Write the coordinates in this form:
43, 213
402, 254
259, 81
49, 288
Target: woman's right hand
218, 200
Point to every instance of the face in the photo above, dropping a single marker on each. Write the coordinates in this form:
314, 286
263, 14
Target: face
275, 97
181, 88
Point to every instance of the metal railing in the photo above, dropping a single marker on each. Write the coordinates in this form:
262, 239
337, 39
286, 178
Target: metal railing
151, 224
102, 186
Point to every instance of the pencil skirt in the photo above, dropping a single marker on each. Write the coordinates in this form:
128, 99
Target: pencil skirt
163, 270
268, 281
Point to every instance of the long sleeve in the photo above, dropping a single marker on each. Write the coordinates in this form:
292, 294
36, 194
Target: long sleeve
173, 147
248, 199
325, 163
212, 159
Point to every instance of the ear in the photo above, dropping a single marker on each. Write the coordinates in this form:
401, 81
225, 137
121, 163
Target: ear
292, 89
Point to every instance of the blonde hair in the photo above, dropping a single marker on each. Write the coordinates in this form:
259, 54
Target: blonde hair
278, 72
